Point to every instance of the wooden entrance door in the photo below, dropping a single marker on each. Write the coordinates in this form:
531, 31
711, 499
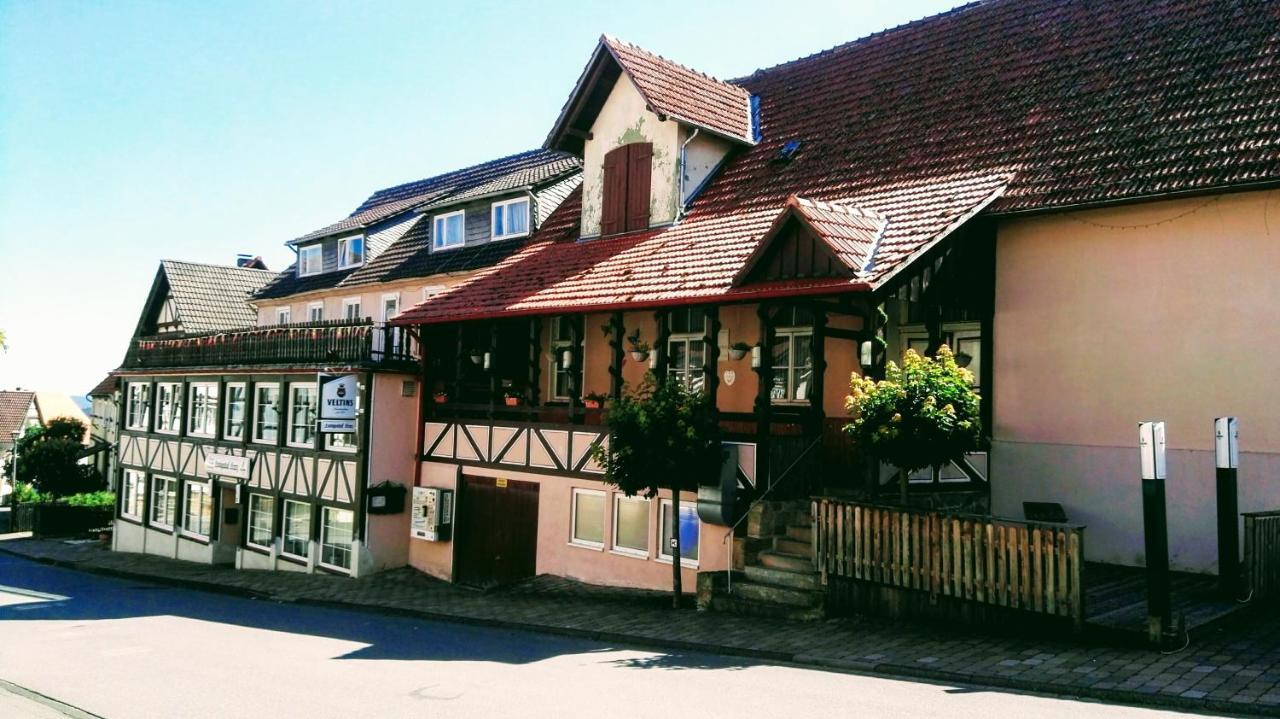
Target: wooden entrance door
497, 531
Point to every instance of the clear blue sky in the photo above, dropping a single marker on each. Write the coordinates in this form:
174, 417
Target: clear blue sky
132, 132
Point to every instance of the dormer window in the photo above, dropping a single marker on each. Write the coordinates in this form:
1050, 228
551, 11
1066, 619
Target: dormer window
510, 218
350, 252
310, 260
627, 174
449, 230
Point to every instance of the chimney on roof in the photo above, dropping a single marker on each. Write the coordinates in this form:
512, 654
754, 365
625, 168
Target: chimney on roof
252, 262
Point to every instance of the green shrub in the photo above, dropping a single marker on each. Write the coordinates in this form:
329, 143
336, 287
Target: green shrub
102, 498
26, 494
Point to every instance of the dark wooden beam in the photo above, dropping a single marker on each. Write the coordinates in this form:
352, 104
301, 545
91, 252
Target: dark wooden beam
576, 370
492, 353
764, 404
819, 366
535, 361
661, 319
711, 355
616, 333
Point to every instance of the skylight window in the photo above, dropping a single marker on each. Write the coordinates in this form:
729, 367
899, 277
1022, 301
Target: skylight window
788, 151
310, 260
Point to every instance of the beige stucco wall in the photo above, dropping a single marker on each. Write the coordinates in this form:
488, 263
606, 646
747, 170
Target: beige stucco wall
703, 153
624, 119
410, 293
1155, 311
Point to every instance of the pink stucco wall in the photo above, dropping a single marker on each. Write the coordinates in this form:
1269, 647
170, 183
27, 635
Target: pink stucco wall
1154, 311
394, 432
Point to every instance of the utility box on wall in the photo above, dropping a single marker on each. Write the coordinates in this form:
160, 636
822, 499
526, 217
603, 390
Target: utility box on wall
431, 517
386, 498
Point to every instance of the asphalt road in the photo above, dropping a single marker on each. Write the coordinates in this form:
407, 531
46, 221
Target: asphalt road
124, 649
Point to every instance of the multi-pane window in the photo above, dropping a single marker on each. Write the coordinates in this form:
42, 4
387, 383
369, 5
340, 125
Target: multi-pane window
282, 315
138, 412
350, 251
197, 509
164, 501
688, 532
337, 529
351, 309
315, 312
448, 231
131, 494
262, 513
310, 260
303, 403
202, 413
588, 518
340, 441
168, 407
686, 346
631, 525
561, 342
266, 413
511, 218
234, 426
793, 356
296, 538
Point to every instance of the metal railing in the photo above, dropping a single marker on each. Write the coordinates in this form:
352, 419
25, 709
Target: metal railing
311, 343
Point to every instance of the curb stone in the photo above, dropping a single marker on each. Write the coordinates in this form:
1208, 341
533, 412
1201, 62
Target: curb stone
888, 670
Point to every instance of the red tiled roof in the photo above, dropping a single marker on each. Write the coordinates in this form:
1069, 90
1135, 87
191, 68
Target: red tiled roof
1000, 106
851, 233
680, 93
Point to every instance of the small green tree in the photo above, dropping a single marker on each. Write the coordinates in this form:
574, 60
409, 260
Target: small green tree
662, 436
924, 414
47, 460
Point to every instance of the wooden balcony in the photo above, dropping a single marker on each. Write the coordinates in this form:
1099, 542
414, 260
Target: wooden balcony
332, 343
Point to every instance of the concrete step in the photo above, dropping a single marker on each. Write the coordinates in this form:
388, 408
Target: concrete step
793, 546
741, 605
777, 595
800, 533
783, 577
775, 559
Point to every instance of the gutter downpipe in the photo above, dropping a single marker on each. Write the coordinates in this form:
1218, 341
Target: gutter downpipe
683, 168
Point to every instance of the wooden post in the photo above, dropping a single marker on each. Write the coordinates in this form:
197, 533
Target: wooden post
492, 358
535, 360
1228, 459
576, 370
616, 333
711, 354
764, 405
1155, 528
661, 320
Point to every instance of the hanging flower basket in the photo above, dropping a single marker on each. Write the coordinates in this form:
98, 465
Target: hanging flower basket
738, 350
441, 397
639, 355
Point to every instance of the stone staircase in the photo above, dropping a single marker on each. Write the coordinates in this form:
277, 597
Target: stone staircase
774, 573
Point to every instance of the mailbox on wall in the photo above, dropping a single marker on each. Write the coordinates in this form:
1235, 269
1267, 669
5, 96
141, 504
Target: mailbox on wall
432, 515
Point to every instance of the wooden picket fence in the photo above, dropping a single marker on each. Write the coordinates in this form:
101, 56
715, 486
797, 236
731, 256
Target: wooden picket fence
1262, 553
1029, 566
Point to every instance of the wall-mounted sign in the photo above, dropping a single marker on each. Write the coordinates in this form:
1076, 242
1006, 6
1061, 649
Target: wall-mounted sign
227, 465
339, 403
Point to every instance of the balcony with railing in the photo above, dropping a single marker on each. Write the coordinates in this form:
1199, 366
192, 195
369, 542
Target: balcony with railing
325, 344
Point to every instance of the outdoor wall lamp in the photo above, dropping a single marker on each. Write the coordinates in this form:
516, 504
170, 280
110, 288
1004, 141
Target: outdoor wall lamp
755, 356
487, 360
566, 359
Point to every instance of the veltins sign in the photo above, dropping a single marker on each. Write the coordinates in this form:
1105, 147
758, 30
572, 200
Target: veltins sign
339, 403
227, 465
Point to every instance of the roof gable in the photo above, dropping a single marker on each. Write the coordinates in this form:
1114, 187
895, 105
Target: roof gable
207, 298
14, 406
672, 91
815, 239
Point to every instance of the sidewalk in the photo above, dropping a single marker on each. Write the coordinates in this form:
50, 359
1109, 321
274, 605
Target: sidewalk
1233, 668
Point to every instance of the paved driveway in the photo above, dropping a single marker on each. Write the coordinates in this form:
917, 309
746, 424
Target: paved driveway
131, 649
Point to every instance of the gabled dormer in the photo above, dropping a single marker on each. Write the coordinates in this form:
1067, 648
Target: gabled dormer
814, 240
192, 297
650, 132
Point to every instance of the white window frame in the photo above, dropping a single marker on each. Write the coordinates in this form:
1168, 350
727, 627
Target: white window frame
318, 251
175, 415
618, 499
790, 334
437, 221
431, 291
691, 377
382, 307
341, 442
248, 535
253, 421
324, 537
188, 489
557, 348
573, 518
284, 315
210, 408
289, 425
311, 311
143, 415
664, 553
171, 485
347, 304
244, 409
345, 243
493, 218
132, 489
284, 529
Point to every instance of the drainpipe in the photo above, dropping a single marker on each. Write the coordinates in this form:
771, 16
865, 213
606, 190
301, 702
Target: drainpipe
683, 167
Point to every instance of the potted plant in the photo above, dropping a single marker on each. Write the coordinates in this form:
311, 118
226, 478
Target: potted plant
639, 348
594, 400
476, 356
511, 398
441, 397
738, 350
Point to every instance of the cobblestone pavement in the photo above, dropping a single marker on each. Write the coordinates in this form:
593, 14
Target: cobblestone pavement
1234, 668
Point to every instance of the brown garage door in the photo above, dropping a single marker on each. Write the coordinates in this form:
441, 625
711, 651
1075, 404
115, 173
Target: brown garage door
496, 530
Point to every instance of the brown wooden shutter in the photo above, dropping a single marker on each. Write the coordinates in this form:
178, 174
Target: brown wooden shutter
613, 207
639, 164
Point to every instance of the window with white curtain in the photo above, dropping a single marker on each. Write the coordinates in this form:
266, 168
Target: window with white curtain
510, 218
197, 509
202, 409
234, 425
262, 514
303, 403
266, 413
296, 538
164, 502
131, 490
337, 529
138, 413
449, 231
168, 407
